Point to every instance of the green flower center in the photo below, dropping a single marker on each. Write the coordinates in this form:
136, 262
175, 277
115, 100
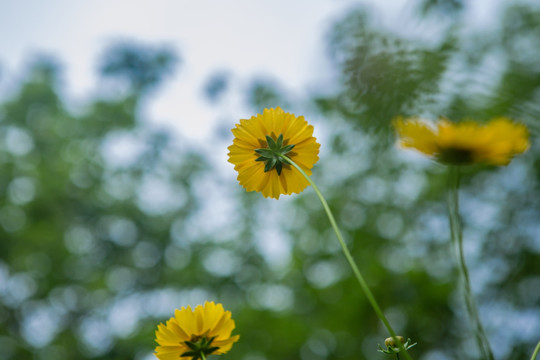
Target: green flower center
272, 154
200, 346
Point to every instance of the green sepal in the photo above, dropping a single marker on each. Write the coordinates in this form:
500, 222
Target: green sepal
265, 152
208, 341
191, 345
279, 167
279, 141
270, 164
286, 149
271, 143
191, 353
273, 154
201, 346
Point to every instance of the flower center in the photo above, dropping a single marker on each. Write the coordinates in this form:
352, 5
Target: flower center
455, 156
195, 338
272, 154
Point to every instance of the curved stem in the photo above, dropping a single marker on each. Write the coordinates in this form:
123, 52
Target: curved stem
349, 257
457, 240
535, 353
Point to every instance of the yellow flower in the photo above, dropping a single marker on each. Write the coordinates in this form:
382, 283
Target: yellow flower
259, 144
467, 142
196, 334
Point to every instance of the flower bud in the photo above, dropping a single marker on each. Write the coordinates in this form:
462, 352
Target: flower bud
389, 342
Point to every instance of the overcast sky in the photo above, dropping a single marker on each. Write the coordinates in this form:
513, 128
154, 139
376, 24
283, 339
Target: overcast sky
280, 39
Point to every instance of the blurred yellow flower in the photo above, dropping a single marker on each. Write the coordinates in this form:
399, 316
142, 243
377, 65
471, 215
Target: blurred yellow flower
467, 142
196, 334
260, 142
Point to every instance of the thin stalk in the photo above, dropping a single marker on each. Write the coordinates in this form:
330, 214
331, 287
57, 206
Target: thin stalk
349, 257
456, 231
202, 356
535, 353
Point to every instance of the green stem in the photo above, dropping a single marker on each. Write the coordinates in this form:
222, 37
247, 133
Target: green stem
536, 351
349, 257
457, 241
202, 356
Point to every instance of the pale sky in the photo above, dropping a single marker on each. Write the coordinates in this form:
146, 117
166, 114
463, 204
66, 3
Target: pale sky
279, 39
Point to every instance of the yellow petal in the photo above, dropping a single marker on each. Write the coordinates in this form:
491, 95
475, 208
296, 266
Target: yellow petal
185, 319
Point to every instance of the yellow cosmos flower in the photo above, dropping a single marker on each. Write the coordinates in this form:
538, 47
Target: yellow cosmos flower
467, 142
196, 333
259, 144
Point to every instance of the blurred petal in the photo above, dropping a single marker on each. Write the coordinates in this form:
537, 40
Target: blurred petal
467, 142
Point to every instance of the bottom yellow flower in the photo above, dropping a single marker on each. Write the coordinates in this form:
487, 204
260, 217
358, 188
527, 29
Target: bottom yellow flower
195, 334
467, 142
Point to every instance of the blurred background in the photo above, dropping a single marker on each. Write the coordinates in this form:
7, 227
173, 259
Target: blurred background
117, 204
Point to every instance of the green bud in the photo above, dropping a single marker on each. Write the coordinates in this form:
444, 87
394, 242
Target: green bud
391, 342
393, 348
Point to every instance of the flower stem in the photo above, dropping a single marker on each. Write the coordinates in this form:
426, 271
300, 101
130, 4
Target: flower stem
457, 241
202, 356
536, 351
349, 257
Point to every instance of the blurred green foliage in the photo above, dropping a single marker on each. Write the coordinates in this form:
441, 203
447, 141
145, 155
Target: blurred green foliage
107, 224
